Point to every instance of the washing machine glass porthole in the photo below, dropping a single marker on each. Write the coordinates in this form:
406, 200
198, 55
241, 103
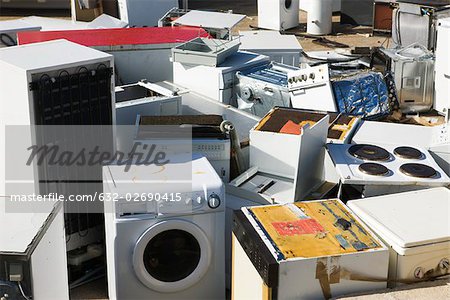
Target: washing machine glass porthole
172, 255
287, 3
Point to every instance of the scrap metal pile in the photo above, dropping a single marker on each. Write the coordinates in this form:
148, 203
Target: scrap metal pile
232, 160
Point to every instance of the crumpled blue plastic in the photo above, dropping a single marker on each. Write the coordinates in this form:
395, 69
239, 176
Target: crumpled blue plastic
363, 94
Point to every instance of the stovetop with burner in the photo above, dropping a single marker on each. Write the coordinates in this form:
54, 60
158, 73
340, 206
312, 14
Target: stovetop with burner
378, 164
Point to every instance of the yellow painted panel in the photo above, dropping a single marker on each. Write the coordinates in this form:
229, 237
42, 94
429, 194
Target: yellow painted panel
293, 242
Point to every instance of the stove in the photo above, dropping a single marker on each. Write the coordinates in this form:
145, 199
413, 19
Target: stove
436, 139
384, 168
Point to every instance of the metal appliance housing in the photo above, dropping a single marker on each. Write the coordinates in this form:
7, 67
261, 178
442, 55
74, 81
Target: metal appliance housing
138, 13
415, 21
189, 226
217, 82
417, 250
137, 52
216, 147
39, 88
264, 87
281, 48
268, 260
413, 70
144, 98
442, 75
33, 244
347, 166
278, 14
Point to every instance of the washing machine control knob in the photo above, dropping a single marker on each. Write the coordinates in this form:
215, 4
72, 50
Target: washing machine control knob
213, 201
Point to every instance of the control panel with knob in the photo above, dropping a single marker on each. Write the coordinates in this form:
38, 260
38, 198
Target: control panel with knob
198, 200
214, 201
307, 77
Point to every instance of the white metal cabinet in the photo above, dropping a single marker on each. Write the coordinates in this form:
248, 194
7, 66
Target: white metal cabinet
415, 227
280, 48
216, 82
133, 227
273, 263
145, 99
442, 76
298, 157
33, 245
141, 13
20, 69
278, 14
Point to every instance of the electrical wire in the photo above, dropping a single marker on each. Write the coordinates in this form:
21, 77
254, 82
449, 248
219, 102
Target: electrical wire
22, 292
90, 276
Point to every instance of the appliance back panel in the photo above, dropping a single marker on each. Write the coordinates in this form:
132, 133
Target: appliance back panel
77, 96
254, 247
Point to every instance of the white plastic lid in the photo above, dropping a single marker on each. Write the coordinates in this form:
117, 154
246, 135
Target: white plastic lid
407, 219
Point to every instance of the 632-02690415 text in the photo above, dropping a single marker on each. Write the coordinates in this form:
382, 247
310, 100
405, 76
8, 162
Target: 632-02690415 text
103, 197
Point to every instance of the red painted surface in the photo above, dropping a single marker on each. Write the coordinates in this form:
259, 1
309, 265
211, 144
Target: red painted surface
116, 36
291, 128
303, 226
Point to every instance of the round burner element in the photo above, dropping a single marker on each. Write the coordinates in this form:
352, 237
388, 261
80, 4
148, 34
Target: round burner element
408, 152
418, 170
368, 152
373, 169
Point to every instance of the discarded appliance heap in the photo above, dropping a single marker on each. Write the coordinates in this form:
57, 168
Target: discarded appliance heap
291, 174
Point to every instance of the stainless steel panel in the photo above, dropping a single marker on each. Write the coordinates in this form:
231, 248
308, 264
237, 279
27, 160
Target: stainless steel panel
413, 69
416, 23
414, 81
410, 28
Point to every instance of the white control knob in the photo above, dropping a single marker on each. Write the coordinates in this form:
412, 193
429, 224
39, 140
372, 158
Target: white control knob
213, 201
199, 199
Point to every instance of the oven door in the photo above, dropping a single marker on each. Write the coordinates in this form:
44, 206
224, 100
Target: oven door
171, 256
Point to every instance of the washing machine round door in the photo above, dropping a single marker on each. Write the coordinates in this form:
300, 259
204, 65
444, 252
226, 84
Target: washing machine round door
171, 256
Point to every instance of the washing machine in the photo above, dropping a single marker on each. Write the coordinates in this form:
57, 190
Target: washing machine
169, 246
278, 14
